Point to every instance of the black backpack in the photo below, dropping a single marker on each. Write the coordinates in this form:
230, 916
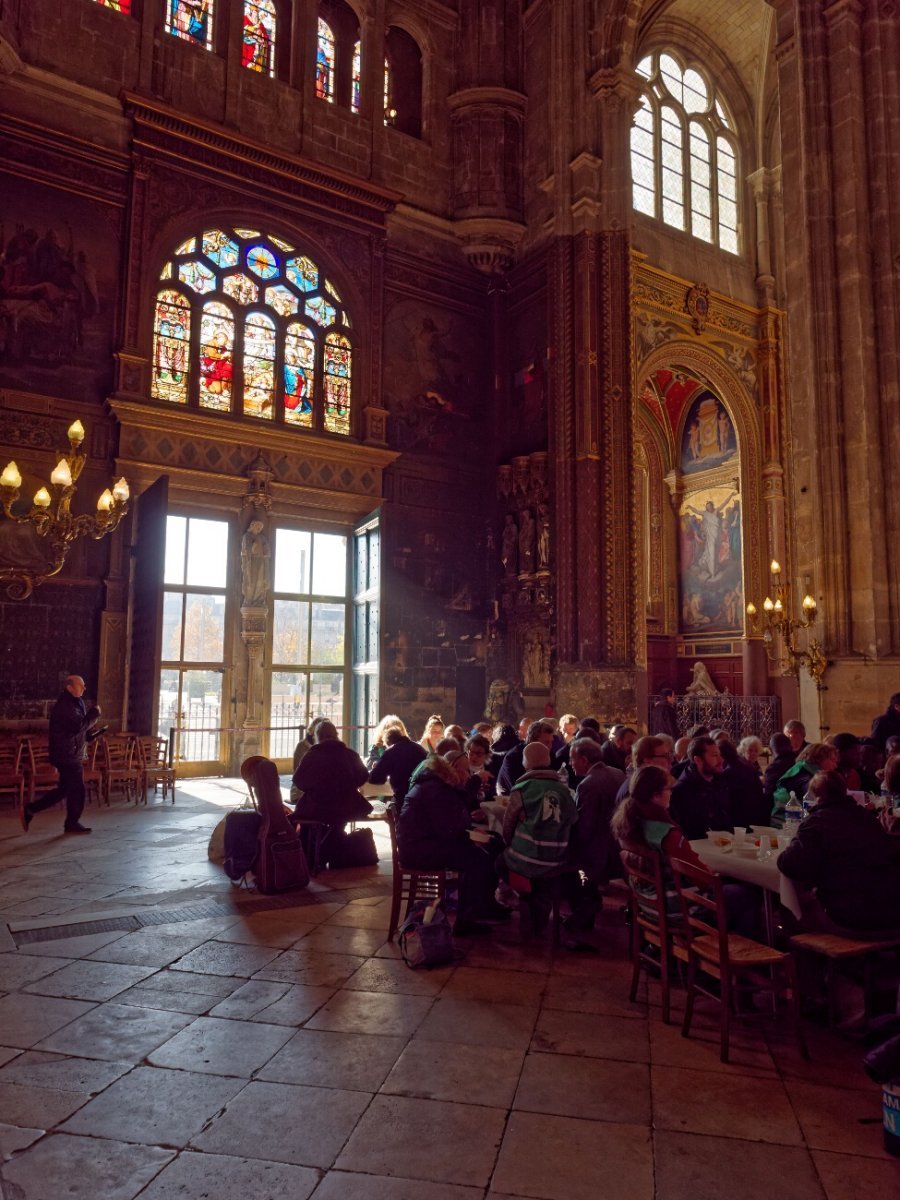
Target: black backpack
355, 849
241, 843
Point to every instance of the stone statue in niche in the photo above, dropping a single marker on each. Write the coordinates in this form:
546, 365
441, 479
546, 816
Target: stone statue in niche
526, 542
504, 703
533, 661
254, 565
543, 539
701, 684
509, 545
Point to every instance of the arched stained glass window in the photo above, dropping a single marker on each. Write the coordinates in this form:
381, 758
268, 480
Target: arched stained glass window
338, 372
402, 82
357, 77
122, 6
191, 20
246, 324
260, 32
684, 153
325, 62
171, 347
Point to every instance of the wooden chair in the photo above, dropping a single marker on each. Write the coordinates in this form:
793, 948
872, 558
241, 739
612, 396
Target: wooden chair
120, 770
41, 773
837, 949
724, 956
153, 758
650, 921
12, 769
411, 885
532, 913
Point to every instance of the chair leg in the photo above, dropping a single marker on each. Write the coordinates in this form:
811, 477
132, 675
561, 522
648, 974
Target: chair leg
664, 983
724, 1016
689, 998
790, 971
635, 960
395, 908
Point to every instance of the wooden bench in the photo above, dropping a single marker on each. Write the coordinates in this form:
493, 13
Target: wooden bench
835, 948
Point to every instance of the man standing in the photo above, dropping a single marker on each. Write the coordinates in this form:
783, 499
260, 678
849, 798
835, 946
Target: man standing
888, 724
663, 717
700, 798
70, 725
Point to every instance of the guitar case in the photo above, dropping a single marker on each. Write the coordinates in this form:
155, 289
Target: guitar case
281, 864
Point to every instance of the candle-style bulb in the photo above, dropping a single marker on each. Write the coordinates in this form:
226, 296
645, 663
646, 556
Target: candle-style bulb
42, 498
11, 477
775, 566
105, 503
121, 491
751, 609
809, 603
779, 607
61, 476
75, 433
767, 604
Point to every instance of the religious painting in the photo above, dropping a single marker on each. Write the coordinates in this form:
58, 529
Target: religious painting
709, 561
434, 370
708, 436
59, 262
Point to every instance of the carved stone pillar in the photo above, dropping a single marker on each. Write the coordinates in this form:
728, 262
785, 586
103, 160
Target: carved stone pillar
255, 583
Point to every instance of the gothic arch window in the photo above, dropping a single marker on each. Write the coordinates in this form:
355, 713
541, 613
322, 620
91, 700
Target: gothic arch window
245, 324
684, 153
338, 55
192, 20
260, 36
402, 82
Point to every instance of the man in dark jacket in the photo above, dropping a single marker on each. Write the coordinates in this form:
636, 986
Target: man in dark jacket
783, 758
663, 718
513, 767
616, 750
329, 776
70, 725
888, 724
700, 798
843, 852
592, 847
398, 762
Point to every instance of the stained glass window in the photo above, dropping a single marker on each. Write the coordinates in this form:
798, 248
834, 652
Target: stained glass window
338, 368
260, 27
122, 6
389, 111
246, 324
191, 20
325, 62
357, 77
683, 153
171, 348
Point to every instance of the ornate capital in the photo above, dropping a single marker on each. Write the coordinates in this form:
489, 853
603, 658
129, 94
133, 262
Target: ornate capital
618, 87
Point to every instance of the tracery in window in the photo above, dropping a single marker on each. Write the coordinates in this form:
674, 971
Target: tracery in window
684, 153
260, 30
192, 20
245, 324
325, 62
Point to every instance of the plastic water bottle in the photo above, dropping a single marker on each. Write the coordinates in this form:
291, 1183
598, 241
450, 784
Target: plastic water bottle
808, 805
793, 815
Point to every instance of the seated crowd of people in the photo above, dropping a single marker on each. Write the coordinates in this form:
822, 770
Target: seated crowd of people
568, 795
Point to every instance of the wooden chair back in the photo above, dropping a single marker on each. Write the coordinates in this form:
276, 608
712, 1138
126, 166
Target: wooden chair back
700, 895
410, 884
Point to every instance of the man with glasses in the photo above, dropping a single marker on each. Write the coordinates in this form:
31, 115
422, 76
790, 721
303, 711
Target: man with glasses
646, 751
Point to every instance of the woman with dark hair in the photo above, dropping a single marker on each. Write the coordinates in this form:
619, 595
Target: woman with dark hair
783, 758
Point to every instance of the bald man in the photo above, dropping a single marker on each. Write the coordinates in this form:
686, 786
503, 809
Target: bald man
70, 727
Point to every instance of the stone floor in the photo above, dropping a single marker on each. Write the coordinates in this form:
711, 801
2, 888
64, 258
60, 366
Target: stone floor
162, 1036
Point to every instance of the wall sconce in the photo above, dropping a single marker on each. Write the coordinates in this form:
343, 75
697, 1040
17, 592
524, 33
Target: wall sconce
778, 624
34, 545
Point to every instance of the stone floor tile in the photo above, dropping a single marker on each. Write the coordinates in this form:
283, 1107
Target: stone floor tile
224, 958
706, 1168
310, 968
155, 1107
82, 1168
756, 1109
25, 1020
603, 997
296, 1005
250, 999
73, 947
397, 1137
586, 1034
151, 947
474, 1023
843, 1120
13, 1139
321, 1058
218, 1047
37, 1068
387, 975
215, 986
499, 954
345, 939
8, 1053
266, 929
37, 1107
496, 987
466, 1074
748, 1053
372, 1012
596, 1089
115, 1032
190, 1175
17, 970
89, 980
563, 1158
275, 1121
362, 915
196, 1004
849, 1176
341, 1185
833, 1061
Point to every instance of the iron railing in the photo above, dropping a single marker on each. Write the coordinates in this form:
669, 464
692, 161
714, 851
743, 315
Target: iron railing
739, 716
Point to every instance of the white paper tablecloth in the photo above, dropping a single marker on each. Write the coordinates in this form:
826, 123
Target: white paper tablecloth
761, 871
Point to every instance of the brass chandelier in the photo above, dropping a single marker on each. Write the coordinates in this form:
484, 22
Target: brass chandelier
777, 621
34, 545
